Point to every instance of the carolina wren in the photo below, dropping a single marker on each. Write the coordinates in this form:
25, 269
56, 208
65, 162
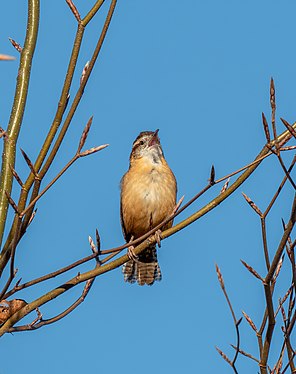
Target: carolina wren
148, 196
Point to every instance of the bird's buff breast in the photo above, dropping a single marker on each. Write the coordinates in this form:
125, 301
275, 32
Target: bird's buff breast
148, 196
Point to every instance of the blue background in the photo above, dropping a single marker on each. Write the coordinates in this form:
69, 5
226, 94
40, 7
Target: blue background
200, 72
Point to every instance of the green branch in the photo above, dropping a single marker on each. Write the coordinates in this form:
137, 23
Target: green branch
18, 108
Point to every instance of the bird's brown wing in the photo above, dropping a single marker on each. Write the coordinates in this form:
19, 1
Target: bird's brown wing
126, 235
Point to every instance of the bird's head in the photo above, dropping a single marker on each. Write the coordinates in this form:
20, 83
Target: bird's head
147, 144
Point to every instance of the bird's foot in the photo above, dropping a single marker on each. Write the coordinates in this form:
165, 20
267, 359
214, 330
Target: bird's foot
158, 237
131, 254
130, 251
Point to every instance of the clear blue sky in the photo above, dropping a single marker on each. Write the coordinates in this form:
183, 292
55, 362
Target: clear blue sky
199, 71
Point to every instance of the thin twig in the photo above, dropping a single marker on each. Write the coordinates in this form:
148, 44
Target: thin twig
245, 353
289, 127
74, 10
273, 109
266, 128
236, 322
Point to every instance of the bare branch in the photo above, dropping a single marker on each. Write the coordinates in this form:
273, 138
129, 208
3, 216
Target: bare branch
74, 10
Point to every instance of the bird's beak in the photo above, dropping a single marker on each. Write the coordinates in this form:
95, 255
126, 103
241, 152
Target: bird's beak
154, 139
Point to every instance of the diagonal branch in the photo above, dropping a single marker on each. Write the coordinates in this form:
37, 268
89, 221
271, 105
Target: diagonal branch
137, 250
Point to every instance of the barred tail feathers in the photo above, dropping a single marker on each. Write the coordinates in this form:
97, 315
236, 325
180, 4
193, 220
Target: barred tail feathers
145, 270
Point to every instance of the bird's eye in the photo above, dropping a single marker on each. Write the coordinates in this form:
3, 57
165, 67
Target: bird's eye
141, 142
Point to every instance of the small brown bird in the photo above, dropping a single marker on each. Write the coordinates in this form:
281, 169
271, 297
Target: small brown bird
148, 196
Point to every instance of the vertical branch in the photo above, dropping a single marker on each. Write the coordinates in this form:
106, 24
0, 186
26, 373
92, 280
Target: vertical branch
236, 323
268, 288
4, 256
18, 108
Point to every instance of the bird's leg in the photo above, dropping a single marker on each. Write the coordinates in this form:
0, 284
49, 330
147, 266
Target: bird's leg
158, 237
130, 252
157, 234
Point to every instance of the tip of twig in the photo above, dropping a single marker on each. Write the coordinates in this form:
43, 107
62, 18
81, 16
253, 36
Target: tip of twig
12, 203
84, 72
98, 240
179, 203
220, 278
85, 134
278, 268
74, 10
16, 45
272, 92
16, 176
238, 322
223, 355
289, 127
250, 322
32, 217
251, 270
93, 150
225, 186
6, 58
92, 245
29, 162
266, 128
283, 223
212, 176
252, 204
